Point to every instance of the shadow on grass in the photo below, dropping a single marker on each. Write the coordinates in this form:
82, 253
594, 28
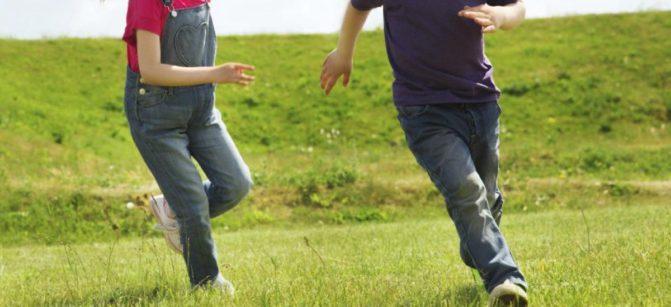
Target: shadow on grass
126, 297
464, 295
117, 297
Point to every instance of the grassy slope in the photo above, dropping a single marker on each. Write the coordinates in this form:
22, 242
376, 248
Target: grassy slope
586, 107
615, 257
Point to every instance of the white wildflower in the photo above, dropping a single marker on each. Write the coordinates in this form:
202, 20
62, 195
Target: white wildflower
130, 205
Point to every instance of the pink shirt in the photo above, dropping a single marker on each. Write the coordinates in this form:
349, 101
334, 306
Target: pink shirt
148, 15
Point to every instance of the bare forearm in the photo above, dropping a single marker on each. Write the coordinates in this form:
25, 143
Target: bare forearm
171, 75
156, 73
351, 27
513, 15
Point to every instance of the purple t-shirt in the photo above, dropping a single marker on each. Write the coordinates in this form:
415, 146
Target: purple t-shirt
437, 56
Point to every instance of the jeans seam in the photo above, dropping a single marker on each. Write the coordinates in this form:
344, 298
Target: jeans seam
136, 103
170, 182
457, 220
160, 165
472, 127
443, 189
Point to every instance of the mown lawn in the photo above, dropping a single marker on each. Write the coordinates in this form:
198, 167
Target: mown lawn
586, 109
602, 257
340, 213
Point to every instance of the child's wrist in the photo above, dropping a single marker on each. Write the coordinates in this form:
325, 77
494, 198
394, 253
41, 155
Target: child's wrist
212, 76
501, 16
345, 52
346, 56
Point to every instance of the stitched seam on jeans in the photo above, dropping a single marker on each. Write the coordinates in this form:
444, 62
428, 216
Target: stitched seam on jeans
136, 103
187, 240
434, 177
456, 219
160, 165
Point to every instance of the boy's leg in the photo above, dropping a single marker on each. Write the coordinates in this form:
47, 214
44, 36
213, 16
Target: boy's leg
437, 137
485, 153
484, 148
229, 177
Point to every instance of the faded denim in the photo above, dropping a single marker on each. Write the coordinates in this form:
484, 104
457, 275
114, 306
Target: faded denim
173, 126
458, 145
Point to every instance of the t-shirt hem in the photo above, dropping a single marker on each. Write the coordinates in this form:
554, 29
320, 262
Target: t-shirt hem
451, 99
361, 7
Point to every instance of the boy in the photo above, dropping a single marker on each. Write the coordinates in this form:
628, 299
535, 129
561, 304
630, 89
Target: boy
447, 106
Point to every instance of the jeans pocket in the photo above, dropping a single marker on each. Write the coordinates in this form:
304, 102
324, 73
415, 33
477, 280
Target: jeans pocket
412, 111
165, 112
149, 96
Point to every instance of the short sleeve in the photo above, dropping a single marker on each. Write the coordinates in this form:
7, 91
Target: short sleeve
366, 5
500, 2
143, 15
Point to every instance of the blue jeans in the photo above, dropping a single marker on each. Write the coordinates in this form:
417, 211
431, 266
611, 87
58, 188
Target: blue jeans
458, 145
170, 126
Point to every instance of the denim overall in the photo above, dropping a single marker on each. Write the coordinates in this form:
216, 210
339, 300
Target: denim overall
172, 125
458, 145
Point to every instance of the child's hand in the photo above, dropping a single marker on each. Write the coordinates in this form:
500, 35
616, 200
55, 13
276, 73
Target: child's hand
233, 73
490, 18
334, 66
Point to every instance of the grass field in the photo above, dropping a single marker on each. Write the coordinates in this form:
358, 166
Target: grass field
585, 128
586, 107
615, 257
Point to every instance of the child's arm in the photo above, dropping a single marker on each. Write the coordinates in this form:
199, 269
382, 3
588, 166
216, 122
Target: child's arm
155, 73
339, 61
492, 18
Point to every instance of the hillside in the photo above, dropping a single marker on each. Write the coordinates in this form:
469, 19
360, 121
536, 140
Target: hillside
587, 107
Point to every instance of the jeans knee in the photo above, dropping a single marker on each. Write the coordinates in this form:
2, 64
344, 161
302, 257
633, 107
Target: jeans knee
471, 190
224, 198
467, 198
246, 185
238, 190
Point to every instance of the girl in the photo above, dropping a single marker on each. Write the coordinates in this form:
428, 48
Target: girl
169, 102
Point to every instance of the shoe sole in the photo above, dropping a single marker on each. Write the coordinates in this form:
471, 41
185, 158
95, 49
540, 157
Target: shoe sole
509, 295
154, 212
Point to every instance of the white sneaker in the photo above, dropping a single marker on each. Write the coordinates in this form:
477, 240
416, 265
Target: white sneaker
225, 285
508, 294
166, 224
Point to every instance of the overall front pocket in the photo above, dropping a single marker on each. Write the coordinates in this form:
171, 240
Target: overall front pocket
149, 95
163, 112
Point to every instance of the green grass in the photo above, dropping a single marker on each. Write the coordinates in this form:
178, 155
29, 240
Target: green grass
586, 103
585, 128
608, 257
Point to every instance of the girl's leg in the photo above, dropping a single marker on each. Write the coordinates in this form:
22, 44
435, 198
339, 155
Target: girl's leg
229, 177
158, 122
170, 162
